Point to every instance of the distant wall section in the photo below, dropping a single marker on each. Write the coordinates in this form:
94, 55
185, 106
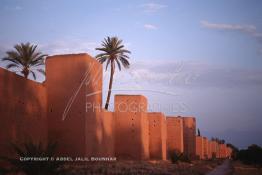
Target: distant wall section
175, 136
131, 127
157, 135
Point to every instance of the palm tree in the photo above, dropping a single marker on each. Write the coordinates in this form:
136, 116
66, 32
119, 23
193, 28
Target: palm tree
113, 52
25, 58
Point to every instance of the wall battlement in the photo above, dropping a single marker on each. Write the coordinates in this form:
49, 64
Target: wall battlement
189, 127
69, 79
157, 135
175, 134
131, 127
200, 147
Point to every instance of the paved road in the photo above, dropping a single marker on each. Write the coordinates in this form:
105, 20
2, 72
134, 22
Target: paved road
223, 169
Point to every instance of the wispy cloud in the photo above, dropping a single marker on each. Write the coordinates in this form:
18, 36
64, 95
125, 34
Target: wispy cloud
247, 29
14, 7
69, 46
222, 26
153, 7
18, 8
150, 27
192, 74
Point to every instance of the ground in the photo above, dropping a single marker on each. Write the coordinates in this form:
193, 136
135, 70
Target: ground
241, 169
215, 167
152, 167
226, 168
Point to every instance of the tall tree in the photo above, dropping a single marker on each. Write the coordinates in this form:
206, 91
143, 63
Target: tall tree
26, 59
113, 53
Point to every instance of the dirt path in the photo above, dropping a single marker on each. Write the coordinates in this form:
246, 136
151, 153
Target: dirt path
224, 169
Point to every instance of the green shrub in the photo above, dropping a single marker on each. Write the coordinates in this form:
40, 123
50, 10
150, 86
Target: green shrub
175, 156
31, 149
184, 158
252, 155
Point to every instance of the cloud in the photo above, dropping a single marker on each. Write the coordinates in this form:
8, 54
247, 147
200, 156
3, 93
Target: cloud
216, 95
14, 8
69, 46
250, 30
190, 74
244, 28
62, 46
18, 8
153, 7
150, 27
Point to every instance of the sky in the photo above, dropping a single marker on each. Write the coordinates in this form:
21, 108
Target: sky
191, 58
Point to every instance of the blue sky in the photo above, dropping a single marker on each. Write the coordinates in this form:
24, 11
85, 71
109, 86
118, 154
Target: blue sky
202, 57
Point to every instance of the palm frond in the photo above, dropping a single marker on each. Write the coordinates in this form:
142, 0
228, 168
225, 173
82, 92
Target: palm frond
41, 71
12, 54
33, 48
113, 51
20, 51
15, 56
119, 47
37, 64
124, 55
38, 61
102, 59
33, 73
12, 65
119, 41
118, 64
10, 60
101, 55
102, 49
124, 62
38, 56
108, 62
124, 51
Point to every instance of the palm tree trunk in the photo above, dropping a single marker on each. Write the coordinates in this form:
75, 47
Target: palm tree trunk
110, 84
25, 72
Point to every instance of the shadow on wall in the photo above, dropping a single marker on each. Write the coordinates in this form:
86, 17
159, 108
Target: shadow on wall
22, 108
105, 134
30, 110
74, 92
